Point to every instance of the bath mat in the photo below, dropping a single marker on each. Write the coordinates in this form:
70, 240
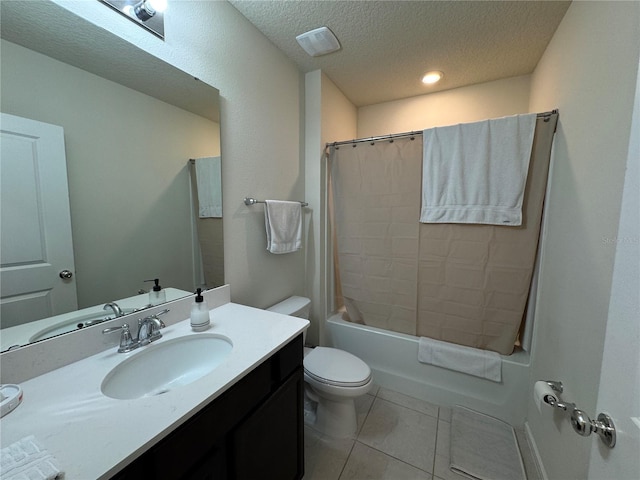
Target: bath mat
483, 447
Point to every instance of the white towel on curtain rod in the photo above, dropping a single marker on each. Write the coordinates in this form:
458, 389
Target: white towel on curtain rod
476, 172
209, 182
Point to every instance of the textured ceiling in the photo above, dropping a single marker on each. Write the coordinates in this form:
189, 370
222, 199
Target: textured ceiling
388, 45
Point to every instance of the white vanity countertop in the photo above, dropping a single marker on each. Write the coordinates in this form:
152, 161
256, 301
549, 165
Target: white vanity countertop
94, 436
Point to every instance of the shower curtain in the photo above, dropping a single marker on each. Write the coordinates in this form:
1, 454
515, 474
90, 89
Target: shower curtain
461, 283
376, 206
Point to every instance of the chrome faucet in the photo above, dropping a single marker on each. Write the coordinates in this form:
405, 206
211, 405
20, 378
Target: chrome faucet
116, 309
148, 331
127, 343
149, 328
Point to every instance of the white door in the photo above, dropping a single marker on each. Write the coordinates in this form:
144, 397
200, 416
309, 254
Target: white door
36, 250
619, 390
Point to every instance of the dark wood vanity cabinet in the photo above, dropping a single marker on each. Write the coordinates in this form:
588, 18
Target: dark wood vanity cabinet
252, 431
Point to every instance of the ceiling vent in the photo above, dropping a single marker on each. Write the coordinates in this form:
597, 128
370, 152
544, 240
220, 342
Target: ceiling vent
318, 42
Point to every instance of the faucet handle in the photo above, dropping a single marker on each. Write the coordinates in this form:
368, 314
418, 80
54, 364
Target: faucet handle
149, 328
155, 321
161, 312
126, 341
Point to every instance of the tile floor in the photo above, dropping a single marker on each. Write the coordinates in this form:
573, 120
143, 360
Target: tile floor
399, 438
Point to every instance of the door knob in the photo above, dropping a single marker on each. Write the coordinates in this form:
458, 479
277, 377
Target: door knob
65, 274
581, 422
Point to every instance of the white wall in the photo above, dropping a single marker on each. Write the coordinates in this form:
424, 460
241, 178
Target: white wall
589, 72
260, 128
619, 389
329, 116
122, 188
467, 104
339, 115
314, 268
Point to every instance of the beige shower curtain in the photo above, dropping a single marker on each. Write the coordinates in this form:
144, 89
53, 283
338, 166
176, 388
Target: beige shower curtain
376, 192
465, 284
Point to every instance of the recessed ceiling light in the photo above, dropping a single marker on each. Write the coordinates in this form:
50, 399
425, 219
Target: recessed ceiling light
432, 77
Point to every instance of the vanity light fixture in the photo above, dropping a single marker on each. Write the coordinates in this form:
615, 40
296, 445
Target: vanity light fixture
318, 42
432, 77
146, 9
149, 14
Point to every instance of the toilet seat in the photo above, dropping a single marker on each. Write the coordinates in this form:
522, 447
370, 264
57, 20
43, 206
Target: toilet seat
332, 366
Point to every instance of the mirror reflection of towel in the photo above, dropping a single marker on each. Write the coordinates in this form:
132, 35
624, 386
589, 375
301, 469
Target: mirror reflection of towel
209, 181
283, 221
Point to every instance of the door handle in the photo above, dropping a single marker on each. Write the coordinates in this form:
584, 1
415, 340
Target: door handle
65, 274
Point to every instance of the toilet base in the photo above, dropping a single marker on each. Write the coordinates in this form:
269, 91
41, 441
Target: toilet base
310, 410
336, 419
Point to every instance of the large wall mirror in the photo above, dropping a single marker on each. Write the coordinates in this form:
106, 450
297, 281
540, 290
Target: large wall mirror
132, 124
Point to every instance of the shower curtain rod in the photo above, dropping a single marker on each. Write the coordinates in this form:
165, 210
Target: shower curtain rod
392, 136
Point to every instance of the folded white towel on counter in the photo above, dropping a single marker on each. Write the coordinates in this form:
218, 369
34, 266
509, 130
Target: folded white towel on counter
477, 172
283, 221
26, 459
209, 182
472, 361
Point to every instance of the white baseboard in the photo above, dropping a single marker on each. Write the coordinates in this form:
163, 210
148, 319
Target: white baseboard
542, 473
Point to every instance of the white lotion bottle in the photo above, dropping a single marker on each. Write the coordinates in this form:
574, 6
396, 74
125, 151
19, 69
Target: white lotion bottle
200, 320
156, 294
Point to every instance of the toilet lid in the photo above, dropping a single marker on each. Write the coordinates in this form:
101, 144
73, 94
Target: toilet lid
336, 367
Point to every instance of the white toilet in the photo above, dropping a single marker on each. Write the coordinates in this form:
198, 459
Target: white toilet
333, 379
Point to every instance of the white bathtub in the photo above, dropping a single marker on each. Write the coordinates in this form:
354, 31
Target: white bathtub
393, 358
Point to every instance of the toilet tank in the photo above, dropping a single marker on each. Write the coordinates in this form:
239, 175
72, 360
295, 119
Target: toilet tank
294, 306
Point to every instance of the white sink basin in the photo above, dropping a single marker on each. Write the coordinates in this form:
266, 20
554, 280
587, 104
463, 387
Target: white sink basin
158, 368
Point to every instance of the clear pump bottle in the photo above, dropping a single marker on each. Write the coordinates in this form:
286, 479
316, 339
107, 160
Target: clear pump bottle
200, 320
156, 294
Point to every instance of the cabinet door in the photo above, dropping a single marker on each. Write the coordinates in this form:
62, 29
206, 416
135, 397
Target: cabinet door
212, 467
246, 433
270, 443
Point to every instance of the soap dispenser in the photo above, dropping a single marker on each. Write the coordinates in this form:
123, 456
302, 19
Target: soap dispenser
199, 313
156, 294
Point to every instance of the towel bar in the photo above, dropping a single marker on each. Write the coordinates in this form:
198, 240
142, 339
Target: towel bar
253, 201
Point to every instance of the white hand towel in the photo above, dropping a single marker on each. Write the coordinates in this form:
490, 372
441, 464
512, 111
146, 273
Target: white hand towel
283, 221
472, 361
477, 172
26, 459
209, 182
